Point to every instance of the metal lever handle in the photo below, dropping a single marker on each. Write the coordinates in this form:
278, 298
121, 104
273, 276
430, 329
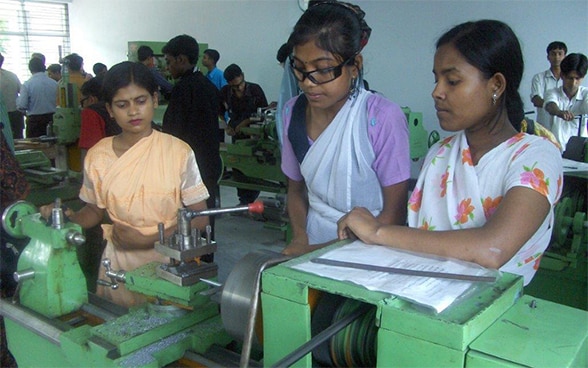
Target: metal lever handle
115, 276
255, 207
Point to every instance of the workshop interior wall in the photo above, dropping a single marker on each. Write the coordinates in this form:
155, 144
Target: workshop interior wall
398, 58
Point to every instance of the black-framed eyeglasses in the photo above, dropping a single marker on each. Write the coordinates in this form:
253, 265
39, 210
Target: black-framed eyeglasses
84, 100
320, 76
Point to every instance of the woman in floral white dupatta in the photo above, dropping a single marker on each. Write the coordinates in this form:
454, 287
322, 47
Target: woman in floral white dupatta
485, 194
139, 177
343, 146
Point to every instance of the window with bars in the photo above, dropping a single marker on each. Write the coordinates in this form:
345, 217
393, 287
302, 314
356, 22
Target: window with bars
28, 26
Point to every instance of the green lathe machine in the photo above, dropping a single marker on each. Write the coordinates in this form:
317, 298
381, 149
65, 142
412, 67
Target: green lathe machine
259, 157
62, 178
562, 276
265, 314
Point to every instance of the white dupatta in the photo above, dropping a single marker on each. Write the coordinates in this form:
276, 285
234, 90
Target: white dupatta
338, 171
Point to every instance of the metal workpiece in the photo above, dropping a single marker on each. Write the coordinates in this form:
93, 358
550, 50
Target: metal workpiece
57, 218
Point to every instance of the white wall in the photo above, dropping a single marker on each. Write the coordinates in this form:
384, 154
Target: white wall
398, 57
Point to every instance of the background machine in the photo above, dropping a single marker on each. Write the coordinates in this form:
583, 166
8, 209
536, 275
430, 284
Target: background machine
266, 314
52, 163
259, 159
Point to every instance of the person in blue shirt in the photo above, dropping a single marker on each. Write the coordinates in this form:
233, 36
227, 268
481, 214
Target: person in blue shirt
37, 98
146, 57
215, 75
209, 59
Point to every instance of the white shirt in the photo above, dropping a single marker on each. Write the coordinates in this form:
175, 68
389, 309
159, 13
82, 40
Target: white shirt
577, 105
541, 83
10, 86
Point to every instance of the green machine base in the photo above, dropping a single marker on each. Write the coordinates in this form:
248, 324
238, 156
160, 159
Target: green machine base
494, 325
145, 337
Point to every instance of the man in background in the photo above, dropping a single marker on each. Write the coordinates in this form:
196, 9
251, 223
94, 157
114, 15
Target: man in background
192, 112
10, 87
570, 100
544, 81
37, 99
76, 74
99, 69
209, 59
54, 72
215, 75
146, 57
240, 99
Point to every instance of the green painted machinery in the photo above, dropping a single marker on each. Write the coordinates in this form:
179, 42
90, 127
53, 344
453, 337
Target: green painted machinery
54, 322
47, 181
493, 326
62, 177
269, 313
562, 276
50, 280
258, 158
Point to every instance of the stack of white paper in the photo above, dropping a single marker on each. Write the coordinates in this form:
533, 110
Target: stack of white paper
437, 293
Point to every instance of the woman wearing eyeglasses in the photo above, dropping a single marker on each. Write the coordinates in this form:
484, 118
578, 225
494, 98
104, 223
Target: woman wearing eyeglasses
343, 146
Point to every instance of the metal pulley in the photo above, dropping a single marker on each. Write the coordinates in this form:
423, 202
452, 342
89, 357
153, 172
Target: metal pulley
240, 300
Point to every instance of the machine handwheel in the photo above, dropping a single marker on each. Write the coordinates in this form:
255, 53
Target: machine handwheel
12, 215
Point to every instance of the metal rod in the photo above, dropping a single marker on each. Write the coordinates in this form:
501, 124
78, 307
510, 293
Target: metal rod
403, 271
211, 282
321, 337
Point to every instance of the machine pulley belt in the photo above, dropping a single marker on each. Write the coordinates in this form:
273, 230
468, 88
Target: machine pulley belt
403, 271
321, 337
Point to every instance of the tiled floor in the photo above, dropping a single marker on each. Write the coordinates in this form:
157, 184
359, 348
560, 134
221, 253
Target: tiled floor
236, 236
